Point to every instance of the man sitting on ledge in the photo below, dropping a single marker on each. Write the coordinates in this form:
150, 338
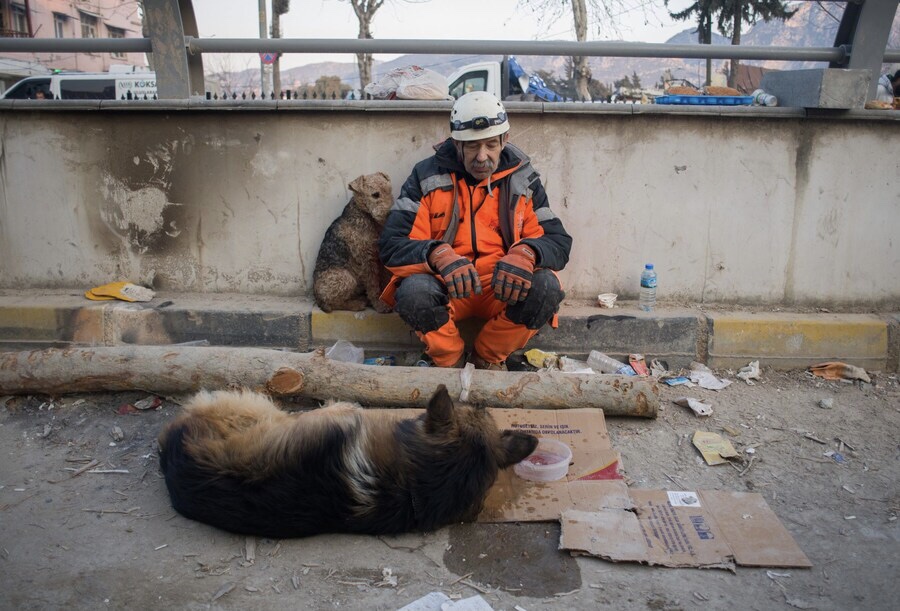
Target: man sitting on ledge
472, 235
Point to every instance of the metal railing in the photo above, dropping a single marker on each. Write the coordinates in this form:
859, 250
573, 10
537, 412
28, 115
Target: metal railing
178, 51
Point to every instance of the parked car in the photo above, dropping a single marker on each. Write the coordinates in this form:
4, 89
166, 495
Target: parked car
85, 86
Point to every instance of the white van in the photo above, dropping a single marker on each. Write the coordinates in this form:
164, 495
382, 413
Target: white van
85, 86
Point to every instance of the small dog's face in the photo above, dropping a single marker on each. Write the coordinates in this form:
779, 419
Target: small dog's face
477, 428
372, 193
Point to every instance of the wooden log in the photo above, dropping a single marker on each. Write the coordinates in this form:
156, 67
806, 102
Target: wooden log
184, 369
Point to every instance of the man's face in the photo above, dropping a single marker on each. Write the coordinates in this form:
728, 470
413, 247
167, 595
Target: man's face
480, 157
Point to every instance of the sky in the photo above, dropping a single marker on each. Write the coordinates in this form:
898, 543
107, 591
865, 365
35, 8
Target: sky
432, 19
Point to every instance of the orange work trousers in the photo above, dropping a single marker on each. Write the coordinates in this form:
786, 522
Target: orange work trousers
497, 339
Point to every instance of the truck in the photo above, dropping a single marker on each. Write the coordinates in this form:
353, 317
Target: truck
505, 79
123, 83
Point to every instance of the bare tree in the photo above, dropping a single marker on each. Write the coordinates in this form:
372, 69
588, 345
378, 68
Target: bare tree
580, 68
600, 16
365, 12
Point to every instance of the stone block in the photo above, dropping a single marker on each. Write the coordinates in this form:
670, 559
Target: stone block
835, 88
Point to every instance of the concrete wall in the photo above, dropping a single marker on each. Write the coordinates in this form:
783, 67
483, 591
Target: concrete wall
744, 206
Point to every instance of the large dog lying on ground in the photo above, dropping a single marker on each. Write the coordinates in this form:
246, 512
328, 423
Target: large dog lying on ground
235, 461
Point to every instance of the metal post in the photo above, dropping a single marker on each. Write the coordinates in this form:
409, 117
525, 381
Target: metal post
866, 27
262, 35
166, 29
276, 66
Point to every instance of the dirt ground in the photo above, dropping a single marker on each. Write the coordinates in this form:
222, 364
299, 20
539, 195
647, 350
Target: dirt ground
110, 539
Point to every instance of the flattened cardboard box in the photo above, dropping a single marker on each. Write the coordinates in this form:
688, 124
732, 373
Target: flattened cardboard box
601, 517
594, 462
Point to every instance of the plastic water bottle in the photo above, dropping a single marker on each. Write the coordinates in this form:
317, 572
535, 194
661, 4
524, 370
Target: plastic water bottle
648, 288
606, 364
761, 98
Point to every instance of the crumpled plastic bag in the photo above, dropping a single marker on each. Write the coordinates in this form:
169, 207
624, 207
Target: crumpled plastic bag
696, 406
126, 291
542, 360
409, 83
465, 379
749, 372
703, 375
345, 351
835, 370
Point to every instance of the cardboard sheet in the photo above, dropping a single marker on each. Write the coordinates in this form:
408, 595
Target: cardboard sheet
710, 529
594, 466
602, 517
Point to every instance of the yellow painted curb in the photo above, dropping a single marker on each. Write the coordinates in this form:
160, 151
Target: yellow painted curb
790, 340
366, 327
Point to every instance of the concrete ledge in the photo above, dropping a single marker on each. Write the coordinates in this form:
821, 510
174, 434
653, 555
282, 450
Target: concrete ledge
367, 329
64, 317
787, 340
670, 334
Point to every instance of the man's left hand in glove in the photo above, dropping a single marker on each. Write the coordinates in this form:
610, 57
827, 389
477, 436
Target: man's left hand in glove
513, 274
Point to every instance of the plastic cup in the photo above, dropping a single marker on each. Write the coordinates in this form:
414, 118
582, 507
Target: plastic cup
606, 300
549, 462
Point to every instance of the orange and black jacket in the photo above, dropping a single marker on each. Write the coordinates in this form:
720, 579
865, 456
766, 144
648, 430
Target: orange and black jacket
481, 221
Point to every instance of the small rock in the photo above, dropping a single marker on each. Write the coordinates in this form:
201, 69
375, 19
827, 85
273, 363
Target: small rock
117, 434
826, 403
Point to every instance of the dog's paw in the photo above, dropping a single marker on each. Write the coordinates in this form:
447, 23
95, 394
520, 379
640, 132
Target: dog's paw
381, 307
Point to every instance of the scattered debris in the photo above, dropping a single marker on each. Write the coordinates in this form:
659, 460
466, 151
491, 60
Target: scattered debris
542, 360
704, 376
607, 300
638, 364
749, 372
151, 402
249, 550
569, 365
117, 434
659, 369
225, 589
714, 448
677, 381
438, 601
387, 578
698, 407
835, 370
78, 471
126, 291
835, 456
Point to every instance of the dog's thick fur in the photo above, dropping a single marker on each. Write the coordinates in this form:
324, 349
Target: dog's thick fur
235, 461
348, 274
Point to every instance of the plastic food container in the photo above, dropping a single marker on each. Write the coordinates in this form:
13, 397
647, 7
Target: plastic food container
548, 463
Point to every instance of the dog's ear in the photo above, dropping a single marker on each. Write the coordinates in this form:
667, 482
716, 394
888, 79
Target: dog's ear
514, 447
356, 185
439, 412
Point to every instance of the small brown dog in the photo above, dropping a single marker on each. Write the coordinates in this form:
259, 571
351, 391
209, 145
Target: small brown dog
349, 275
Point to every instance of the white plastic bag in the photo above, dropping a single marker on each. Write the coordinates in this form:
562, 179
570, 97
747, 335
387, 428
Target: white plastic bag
342, 350
409, 83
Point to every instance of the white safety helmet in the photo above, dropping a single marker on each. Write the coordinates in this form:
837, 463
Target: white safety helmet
477, 115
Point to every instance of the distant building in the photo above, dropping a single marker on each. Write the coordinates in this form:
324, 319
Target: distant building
67, 19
